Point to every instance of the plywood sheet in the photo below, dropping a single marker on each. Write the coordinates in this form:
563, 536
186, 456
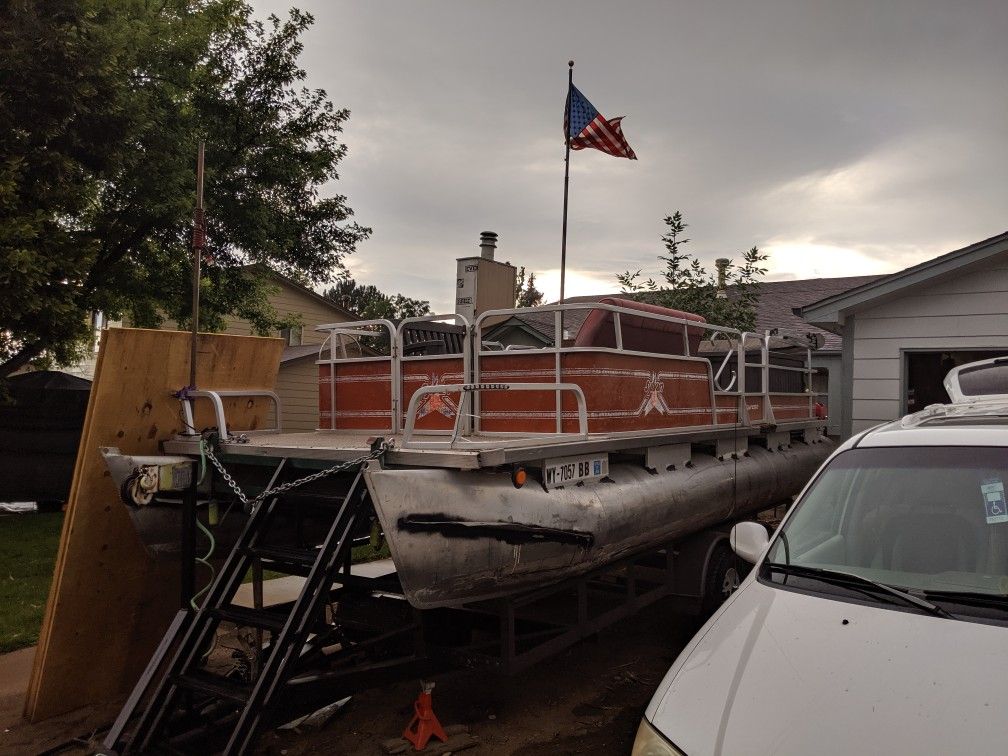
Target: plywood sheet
110, 602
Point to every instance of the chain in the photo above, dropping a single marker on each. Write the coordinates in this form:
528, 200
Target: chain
283, 487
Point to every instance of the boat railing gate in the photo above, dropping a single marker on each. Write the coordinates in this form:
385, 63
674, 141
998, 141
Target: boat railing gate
469, 391
186, 397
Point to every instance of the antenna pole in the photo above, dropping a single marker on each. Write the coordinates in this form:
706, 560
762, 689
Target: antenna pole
198, 242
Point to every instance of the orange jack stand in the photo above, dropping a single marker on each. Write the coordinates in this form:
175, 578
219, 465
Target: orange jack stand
424, 723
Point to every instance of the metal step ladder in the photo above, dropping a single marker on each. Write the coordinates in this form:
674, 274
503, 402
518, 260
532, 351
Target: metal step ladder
238, 708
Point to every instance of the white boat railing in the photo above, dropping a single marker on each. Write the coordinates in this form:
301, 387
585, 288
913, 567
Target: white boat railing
186, 397
738, 345
468, 391
557, 348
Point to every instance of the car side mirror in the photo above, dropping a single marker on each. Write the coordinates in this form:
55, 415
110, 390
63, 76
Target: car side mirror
748, 539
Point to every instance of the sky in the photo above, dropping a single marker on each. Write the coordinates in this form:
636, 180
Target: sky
842, 138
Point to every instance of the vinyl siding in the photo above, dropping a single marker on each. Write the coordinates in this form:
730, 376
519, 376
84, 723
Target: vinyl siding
297, 386
291, 301
297, 381
969, 311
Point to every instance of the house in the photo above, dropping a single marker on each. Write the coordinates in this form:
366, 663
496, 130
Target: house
776, 310
297, 380
903, 332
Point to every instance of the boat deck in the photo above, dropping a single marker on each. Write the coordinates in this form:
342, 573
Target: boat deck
472, 452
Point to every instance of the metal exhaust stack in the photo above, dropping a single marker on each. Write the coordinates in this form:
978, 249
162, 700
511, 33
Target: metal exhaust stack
488, 243
722, 264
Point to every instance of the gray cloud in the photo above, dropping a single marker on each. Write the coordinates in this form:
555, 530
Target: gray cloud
844, 137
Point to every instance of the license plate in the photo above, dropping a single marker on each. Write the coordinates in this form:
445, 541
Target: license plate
564, 471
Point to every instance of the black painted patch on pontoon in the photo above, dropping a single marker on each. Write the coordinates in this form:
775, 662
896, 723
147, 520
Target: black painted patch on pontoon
509, 532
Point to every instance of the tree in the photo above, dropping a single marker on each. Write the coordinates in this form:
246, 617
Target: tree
691, 288
102, 104
371, 303
526, 293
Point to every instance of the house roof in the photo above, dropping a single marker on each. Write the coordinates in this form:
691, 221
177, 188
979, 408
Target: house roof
348, 314
50, 380
292, 353
829, 311
778, 300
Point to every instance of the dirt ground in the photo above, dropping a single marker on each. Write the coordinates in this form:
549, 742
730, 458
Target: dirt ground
588, 699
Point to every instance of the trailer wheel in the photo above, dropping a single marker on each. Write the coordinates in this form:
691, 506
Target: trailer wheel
725, 571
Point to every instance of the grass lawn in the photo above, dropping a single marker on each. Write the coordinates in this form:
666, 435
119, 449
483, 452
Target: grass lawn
28, 544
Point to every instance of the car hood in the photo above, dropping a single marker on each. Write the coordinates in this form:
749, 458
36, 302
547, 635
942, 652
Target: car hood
781, 672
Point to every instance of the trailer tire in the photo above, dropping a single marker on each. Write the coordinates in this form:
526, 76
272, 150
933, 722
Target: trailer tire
725, 571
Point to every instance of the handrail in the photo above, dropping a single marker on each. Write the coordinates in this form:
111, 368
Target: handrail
716, 380
355, 328
468, 390
187, 395
478, 325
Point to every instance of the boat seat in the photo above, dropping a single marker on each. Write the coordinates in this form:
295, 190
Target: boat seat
640, 334
424, 348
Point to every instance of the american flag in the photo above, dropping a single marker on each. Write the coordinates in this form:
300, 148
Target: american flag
586, 128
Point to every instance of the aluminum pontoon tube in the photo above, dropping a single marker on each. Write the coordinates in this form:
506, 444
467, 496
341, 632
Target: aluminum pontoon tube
461, 536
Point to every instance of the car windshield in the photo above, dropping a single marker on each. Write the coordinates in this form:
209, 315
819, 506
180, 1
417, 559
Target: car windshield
928, 519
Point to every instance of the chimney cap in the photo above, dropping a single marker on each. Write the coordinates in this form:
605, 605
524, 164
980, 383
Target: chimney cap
487, 243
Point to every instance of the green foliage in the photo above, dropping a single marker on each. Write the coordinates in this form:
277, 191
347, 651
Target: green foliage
526, 293
371, 303
28, 544
689, 286
102, 106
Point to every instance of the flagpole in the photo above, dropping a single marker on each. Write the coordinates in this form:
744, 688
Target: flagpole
563, 240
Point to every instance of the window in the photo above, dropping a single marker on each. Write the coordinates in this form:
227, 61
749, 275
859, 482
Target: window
292, 335
926, 518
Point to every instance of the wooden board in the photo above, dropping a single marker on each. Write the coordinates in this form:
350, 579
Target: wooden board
110, 603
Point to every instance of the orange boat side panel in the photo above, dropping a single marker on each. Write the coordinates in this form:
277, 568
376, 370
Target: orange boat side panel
791, 407
623, 392
434, 411
363, 396
727, 408
754, 408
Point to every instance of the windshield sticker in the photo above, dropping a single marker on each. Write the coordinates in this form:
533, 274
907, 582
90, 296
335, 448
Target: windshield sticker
993, 491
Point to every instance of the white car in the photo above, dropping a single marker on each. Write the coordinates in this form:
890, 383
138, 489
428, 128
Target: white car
875, 620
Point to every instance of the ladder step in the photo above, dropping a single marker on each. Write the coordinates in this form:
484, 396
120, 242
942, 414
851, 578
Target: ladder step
312, 501
286, 555
215, 686
246, 617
